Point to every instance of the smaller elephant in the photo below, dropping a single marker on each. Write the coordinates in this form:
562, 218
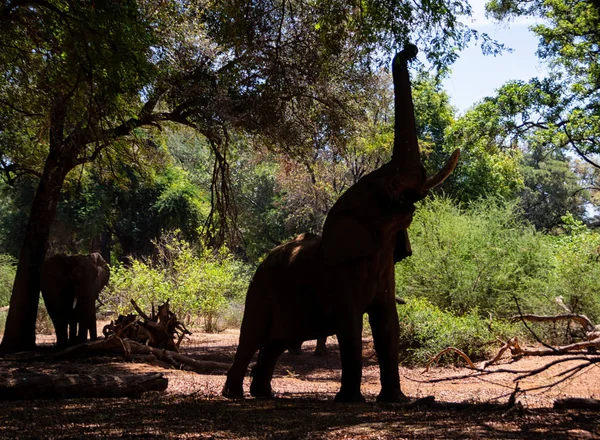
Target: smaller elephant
320, 349
70, 286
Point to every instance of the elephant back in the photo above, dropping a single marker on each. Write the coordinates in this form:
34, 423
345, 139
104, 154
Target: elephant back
58, 268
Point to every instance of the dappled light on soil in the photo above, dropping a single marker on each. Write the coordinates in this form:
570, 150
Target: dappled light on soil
192, 406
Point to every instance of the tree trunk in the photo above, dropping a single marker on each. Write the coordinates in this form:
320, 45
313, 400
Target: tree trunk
19, 334
26, 385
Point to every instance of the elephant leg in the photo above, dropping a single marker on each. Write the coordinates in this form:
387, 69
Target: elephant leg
386, 331
248, 345
263, 371
85, 314
321, 349
60, 319
350, 341
61, 325
73, 329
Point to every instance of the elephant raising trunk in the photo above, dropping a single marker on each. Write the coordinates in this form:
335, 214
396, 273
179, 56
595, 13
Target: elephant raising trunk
313, 286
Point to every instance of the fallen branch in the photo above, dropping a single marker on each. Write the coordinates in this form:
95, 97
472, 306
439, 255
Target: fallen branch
449, 349
512, 344
582, 320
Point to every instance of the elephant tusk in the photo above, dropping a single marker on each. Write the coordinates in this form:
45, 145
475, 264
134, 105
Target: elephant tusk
434, 181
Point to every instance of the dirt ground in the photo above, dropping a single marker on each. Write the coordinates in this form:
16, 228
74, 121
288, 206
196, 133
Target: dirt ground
192, 406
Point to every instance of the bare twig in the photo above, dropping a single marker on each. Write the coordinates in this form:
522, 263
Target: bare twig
449, 349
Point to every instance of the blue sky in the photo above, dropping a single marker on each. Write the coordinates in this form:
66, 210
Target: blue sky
475, 76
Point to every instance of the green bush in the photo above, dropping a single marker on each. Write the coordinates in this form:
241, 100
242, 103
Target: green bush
198, 284
482, 257
577, 275
425, 330
7, 277
8, 268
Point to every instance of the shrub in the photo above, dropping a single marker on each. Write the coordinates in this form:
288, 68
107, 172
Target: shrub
7, 277
425, 330
482, 257
205, 284
576, 279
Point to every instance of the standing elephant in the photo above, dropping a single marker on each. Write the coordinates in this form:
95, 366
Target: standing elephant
320, 349
316, 286
70, 285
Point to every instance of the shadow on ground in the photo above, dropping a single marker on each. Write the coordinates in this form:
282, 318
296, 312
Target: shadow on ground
160, 416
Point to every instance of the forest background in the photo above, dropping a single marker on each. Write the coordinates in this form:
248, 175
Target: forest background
184, 140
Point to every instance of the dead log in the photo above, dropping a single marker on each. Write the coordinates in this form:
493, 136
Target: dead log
577, 403
22, 384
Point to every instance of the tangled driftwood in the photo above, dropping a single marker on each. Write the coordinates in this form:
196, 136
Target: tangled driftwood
161, 329
592, 333
590, 349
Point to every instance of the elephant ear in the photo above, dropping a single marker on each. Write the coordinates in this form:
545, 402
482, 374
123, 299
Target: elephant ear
347, 239
99, 272
402, 249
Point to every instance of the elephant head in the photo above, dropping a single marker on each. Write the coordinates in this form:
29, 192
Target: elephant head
70, 286
381, 205
313, 286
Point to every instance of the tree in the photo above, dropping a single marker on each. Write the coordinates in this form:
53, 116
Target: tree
80, 79
68, 71
567, 104
551, 189
489, 165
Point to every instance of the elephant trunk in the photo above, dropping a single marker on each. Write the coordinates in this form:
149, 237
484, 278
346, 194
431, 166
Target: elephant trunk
406, 155
406, 147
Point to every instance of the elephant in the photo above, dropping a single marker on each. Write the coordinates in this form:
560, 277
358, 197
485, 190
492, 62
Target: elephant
315, 286
320, 349
70, 285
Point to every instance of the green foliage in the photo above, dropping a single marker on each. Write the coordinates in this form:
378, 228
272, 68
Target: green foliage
434, 116
577, 275
7, 277
551, 190
84, 65
203, 284
469, 263
482, 258
489, 163
566, 104
262, 214
425, 330
15, 202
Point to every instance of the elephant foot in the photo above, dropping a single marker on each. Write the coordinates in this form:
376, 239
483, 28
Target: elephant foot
233, 392
392, 396
261, 391
321, 351
352, 397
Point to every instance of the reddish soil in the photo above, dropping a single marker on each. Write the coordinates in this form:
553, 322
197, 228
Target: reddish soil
192, 406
